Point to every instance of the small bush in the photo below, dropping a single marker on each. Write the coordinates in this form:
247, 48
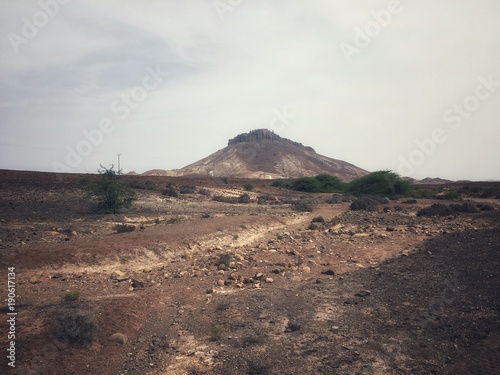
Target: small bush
302, 206
244, 198
307, 184
449, 195
334, 199
187, 189
312, 226
465, 207
110, 190
266, 199
216, 332
330, 184
206, 215
224, 199
224, 259
174, 220
170, 190
70, 296
204, 192
124, 228
248, 186
75, 327
424, 193
385, 183
318, 219
437, 209
225, 180
485, 207
365, 203
142, 185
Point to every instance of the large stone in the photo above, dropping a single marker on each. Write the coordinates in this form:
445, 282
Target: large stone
119, 338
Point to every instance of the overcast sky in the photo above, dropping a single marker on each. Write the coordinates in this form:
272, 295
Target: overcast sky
411, 86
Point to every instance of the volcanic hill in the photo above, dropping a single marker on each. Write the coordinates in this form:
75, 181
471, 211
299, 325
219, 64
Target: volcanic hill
263, 154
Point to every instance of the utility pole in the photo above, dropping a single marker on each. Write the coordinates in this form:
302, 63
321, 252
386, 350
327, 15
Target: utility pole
119, 162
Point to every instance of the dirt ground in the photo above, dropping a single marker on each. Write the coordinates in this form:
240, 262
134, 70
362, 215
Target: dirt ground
205, 287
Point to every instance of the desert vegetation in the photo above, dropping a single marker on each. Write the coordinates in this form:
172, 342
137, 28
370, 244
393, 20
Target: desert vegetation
381, 183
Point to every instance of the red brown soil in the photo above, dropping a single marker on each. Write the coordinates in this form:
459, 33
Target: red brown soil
430, 306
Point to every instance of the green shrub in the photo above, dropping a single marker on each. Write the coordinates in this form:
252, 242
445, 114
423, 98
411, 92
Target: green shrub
70, 296
110, 190
216, 332
306, 184
330, 184
424, 193
385, 183
451, 195
285, 184
312, 226
225, 179
248, 186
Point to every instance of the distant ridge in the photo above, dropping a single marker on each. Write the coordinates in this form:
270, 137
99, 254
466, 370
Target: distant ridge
263, 154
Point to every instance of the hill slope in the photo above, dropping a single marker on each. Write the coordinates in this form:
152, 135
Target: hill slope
264, 154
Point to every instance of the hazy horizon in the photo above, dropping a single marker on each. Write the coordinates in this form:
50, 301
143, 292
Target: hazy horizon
402, 85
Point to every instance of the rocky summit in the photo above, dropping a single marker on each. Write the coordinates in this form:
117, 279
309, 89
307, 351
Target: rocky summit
264, 154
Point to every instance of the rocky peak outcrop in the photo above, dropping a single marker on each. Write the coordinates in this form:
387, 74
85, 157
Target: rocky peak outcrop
260, 135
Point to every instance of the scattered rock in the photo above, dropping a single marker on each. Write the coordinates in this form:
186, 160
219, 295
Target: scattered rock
328, 272
136, 284
34, 280
305, 269
119, 275
363, 293
269, 280
292, 327
119, 338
